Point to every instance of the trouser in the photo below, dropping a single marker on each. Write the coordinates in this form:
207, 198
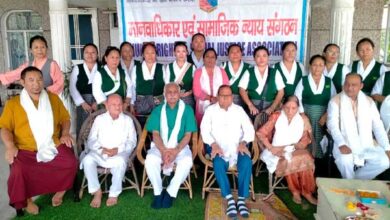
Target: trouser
117, 165
153, 163
244, 169
302, 182
375, 165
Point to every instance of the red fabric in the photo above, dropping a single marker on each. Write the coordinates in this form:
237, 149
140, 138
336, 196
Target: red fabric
30, 178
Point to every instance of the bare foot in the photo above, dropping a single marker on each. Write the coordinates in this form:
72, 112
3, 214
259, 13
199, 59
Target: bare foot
32, 208
310, 198
97, 199
57, 198
111, 201
297, 198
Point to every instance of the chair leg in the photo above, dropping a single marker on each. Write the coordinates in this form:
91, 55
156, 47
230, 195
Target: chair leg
194, 171
252, 188
204, 181
82, 187
143, 182
135, 178
189, 185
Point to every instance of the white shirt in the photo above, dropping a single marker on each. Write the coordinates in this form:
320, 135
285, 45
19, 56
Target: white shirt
77, 98
290, 75
333, 124
101, 96
332, 71
177, 71
226, 128
109, 133
364, 72
378, 88
261, 79
313, 87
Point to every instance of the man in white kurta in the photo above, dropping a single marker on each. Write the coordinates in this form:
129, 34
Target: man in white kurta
226, 130
352, 119
110, 142
171, 124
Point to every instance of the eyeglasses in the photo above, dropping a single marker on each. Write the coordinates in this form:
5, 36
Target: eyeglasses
332, 52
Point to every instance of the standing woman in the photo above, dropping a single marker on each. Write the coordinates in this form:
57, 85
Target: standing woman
261, 87
80, 85
314, 92
207, 81
235, 69
367, 67
148, 78
334, 70
111, 79
291, 70
52, 76
198, 46
181, 72
127, 57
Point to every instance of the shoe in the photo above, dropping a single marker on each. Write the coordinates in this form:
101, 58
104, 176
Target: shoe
167, 201
157, 201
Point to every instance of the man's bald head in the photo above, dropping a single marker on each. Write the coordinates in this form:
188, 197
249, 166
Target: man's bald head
114, 105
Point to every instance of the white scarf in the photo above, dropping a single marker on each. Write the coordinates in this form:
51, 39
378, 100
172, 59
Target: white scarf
235, 75
261, 79
330, 73
205, 86
115, 79
90, 74
364, 72
180, 72
356, 132
290, 75
285, 135
197, 63
316, 90
41, 123
127, 70
172, 141
148, 75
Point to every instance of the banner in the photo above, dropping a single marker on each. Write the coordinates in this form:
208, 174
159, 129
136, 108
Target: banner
250, 23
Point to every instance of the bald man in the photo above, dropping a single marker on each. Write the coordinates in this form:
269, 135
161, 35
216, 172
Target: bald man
110, 142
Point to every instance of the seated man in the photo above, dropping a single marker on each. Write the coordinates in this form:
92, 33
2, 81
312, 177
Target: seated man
171, 124
226, 130
110, 142
352, 118
35, 131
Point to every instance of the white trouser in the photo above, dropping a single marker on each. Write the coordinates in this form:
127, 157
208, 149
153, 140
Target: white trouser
375, 164
117, 165
153, 163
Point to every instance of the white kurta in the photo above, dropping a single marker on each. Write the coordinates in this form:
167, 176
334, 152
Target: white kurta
109, 133
77, 98
227, 129
374, 158
379, 85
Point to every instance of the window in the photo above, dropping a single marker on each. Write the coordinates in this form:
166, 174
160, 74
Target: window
20, 26
82, 30
384, 55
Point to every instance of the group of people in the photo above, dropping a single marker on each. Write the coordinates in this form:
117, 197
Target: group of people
189, 94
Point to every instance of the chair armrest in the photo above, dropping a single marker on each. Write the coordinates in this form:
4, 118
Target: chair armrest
200, 153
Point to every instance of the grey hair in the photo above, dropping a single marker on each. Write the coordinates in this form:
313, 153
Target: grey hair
171, 84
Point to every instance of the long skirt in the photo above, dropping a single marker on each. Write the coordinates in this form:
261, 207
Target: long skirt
29, 178
314, 112
81, 113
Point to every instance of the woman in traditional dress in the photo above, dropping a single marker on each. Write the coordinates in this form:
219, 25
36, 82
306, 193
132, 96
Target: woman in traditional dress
111, 79
285, 137
181, 72
235, 69
148, 80
80, 85
52, 75
314, 92
367, 66
290, 70
334, 70
261, 87
127, 57
206, 82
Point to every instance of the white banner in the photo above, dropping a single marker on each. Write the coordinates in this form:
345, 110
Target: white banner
249, 23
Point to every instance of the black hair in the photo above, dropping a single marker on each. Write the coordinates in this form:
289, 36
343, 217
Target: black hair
261, 47
222, 87
195, 35
29, 69
146, 44
94, 46
317, 56
180, 43
364, 40
285, 44
233, 45
330, 45
37, 37
125, 43
108, 51
210, 49
291, 98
